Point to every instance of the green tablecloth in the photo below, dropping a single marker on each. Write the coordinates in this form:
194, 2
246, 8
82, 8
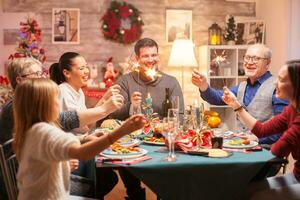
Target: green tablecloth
197, 177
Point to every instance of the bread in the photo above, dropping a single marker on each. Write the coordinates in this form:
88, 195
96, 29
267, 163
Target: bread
216, 153
110, 124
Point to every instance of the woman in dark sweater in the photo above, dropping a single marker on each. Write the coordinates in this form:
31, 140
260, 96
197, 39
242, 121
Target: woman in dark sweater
288, 122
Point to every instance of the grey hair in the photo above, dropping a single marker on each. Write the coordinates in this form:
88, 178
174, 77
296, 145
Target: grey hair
266, 50
18, 66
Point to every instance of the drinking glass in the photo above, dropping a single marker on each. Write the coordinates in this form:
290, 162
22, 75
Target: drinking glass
175, 102
136, 110
173, 131
165, 127
199, 123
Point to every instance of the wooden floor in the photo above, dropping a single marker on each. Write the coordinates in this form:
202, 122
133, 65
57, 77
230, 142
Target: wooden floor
119, 193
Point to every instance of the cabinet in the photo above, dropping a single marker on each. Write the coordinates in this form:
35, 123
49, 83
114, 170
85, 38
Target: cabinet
223, 65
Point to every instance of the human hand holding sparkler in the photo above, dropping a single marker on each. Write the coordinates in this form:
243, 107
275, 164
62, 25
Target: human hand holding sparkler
113, 90
229, 98
199, 80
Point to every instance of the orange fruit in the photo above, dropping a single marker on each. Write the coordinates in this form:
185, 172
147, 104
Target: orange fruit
214, 121
211, 113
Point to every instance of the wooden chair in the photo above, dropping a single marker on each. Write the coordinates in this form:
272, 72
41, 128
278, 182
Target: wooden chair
9, 167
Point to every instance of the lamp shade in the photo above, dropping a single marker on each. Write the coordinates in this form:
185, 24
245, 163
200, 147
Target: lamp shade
182, 54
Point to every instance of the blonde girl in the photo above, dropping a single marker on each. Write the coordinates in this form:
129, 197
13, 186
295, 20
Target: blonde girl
43, 149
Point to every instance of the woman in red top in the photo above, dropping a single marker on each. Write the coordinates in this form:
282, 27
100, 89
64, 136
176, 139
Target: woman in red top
288, 122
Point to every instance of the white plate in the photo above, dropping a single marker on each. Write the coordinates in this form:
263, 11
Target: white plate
108, 153
154, 143
128, 142
248, 146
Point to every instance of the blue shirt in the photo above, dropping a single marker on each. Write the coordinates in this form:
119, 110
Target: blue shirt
214, 97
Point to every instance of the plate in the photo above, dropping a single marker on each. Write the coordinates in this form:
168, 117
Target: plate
154, 143
128, 142
242, 146
108, 153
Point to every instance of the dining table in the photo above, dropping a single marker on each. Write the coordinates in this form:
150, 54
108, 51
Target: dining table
193, 177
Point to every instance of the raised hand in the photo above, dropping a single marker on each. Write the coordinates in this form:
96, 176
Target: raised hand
136, 99
199, 80
229, 98
113, 90
113, 103
133, 123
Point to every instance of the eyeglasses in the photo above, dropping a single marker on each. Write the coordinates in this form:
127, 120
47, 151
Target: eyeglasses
35, 74
254, 59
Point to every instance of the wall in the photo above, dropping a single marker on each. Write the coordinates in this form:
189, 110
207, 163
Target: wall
95, 48
282, 29
294, 30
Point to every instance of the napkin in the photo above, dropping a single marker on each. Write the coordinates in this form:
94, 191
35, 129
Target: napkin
132, 161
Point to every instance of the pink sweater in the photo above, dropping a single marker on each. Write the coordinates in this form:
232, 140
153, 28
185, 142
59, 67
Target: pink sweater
287, 122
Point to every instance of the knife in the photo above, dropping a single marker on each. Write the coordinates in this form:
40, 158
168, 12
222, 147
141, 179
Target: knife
110, 159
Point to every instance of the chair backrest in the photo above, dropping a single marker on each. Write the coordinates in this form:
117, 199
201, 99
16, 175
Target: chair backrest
9, 167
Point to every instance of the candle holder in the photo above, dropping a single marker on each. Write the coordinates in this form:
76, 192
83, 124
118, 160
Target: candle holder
152, 117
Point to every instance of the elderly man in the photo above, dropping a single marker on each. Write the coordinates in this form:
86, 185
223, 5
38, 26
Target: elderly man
257, 94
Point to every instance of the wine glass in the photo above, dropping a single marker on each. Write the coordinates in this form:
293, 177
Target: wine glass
199, 123
136, 110
173, 131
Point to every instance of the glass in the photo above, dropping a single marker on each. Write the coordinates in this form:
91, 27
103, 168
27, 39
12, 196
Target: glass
164, 127
254, 59
199, 123
136, 110
172, 133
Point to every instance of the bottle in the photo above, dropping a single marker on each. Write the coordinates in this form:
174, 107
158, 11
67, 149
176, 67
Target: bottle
166, 104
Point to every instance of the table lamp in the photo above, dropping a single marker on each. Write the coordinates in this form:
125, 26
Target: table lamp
182, 55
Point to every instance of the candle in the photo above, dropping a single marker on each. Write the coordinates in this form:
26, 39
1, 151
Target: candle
148, 100
214, 39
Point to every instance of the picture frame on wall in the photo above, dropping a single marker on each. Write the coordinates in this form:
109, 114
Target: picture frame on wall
178, 24
250, 31
65, 26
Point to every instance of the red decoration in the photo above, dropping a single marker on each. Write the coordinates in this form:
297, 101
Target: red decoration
110, 73
122, 23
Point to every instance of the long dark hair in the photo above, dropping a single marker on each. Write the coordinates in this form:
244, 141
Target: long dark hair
65, 62
293, 67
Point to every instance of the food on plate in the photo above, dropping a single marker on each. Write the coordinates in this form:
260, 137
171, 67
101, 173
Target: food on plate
239, 142
110, 124
124, 140
124, 150
155, 139
216, 153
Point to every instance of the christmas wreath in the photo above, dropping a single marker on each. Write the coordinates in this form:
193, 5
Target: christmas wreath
122, 23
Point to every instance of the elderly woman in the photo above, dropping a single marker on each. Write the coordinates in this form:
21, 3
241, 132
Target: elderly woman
288, 122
